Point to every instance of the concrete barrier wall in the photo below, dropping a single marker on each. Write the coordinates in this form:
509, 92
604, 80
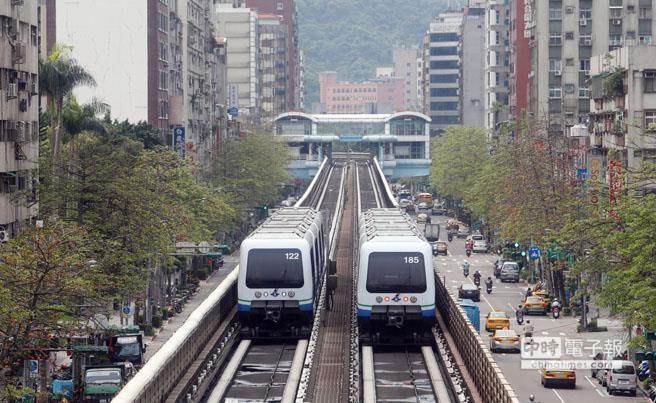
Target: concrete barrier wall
488, 378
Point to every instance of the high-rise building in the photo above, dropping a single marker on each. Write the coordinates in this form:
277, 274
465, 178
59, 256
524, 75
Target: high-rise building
47, 26
564, 35
472, 66
240, 28
442, 71
300, 91
19, 115
273, 66
406, 68
520, 59
384, 95
497, 63
286, 10
154, 60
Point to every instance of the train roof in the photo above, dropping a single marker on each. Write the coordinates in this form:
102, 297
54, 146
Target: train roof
288, 223
385, 224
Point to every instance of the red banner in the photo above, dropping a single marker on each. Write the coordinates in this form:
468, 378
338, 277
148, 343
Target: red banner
615, 182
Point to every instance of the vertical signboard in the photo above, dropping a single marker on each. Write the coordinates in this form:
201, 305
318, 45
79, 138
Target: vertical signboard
594, 180
233, 96
179, 140
615, 182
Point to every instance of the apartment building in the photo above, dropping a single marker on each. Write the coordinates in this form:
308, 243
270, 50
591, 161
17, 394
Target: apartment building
520, 56
19, 115
274, 74
406, 67
564, 36
442, 71
472, 68
622, 123
286, 10
384, 95
240, 28
497, 63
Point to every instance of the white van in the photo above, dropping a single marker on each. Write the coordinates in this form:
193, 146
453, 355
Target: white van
621, 377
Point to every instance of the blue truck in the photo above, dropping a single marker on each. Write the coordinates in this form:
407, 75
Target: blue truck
472, 311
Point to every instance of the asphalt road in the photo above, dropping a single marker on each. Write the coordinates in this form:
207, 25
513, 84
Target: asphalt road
507, 297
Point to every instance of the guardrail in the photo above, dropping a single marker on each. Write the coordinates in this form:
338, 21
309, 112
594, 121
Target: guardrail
159, 376
490, 382
314, 182
391, 200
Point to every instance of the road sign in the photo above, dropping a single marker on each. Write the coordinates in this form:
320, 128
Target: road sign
534, 253
126, 310
33, 366
203, 247
233, 111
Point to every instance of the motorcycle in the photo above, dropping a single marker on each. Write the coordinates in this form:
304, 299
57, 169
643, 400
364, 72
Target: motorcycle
468, 252
556, 312
488, 288
477, 280
450, 237
643, 370
520, 317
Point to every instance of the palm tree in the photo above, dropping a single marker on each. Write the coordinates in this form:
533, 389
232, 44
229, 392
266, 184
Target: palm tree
59, 75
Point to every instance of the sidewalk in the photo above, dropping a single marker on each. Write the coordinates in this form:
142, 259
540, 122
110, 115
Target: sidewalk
205, 288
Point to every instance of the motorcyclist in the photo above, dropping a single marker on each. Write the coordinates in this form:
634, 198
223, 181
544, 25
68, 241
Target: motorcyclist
450, 236
488, 282
465, 268
529, 292
555, 304
477, 278
531, 398
528, 330
519, 313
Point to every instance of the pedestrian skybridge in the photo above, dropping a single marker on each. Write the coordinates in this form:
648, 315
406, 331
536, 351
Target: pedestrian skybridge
399, 140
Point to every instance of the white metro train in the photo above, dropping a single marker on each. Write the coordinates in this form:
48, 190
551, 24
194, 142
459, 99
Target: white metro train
396, 282
280, 269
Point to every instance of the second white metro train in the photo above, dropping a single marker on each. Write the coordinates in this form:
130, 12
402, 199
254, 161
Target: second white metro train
396, 283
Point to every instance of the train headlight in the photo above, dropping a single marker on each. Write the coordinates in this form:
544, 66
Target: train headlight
284, 294
291, 294
258, 294
413, 299
386, 299
266, 294
405, 299
379, 299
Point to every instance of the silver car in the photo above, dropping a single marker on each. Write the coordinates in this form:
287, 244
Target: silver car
504, 340
509, 272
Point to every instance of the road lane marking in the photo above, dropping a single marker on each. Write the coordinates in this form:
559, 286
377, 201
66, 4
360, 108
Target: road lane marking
600, 392
562, 334
545, 333
558, 396
587, 378
512, 307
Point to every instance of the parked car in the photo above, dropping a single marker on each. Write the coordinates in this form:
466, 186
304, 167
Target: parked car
509, 272
469, 291
498, 265
621, 377
438, 208
565, 377
504, 340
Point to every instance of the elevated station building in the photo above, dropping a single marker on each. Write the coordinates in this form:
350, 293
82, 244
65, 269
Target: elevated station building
400, 140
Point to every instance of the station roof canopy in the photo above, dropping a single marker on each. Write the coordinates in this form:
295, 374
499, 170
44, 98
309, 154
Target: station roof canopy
354, 117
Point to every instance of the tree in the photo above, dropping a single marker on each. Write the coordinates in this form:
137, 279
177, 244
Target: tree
59, 75
78, 118
46, 278
250, 170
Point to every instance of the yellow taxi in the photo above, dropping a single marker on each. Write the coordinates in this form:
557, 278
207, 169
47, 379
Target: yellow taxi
535, 304
496, 320
504, 340
560, 377
544, 294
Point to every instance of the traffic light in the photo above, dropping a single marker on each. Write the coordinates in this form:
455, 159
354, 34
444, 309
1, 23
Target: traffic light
516, 245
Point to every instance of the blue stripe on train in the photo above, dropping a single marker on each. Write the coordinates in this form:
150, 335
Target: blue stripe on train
247, 307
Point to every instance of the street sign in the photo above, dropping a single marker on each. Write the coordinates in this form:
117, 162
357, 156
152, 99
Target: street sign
534, 253
179, 140
126, 310
204, 247
33, 365
233, 111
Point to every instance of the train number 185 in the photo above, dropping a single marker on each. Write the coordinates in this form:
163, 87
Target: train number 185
292, 256
411, 259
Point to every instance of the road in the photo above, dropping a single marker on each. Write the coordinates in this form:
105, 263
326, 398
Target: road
507, 297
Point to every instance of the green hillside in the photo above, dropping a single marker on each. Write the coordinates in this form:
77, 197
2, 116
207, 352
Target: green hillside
353, 37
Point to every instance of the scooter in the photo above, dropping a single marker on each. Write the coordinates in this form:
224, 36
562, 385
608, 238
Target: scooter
468, 252
643, 371
488, 288
520, 317
556, 312
450, 237
477, 280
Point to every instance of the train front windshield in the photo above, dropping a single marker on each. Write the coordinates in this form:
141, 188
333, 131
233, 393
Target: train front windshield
396, 272
274, 268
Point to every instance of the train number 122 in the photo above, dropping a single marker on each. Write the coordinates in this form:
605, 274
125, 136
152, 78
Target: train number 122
292, 256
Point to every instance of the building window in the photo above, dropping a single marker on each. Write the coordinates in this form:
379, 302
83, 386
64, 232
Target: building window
163, 22
445, 37
584, 93
443, 92
644, 12
644, 39
584, 65
162, 51
444, 51
650, 121
555, 39
615, 40
555, 92
444, 64
585, 14
555, 65
615, 12
163, 80
649, 81
444, 78
445, 119
163, 110
569, 61
555, 13
279, 6
444, 106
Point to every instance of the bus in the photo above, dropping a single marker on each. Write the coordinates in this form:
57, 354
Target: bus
424, 200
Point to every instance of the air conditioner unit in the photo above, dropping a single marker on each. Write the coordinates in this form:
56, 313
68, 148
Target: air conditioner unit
586, 73
558, 73
12, 90
4, 236
583, 22
586, 42
617, 22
